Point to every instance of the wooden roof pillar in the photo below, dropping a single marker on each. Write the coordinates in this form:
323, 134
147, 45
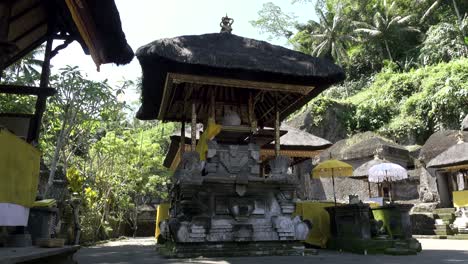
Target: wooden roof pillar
41, 101
5, 12
277, 128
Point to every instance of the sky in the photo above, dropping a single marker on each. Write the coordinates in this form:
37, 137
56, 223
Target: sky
144, 21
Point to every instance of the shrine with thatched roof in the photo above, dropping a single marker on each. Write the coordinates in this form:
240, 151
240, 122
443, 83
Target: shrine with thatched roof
237, 88
361, 151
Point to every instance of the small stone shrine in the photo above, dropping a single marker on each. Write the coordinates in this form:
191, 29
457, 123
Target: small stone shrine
222, 201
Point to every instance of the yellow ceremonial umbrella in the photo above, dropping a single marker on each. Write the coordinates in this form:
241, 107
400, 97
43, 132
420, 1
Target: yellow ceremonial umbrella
332, 168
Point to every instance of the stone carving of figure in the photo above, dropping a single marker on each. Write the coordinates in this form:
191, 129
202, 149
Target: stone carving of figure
226, 23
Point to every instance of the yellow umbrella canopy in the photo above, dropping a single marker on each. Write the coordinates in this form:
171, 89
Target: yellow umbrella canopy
332, 168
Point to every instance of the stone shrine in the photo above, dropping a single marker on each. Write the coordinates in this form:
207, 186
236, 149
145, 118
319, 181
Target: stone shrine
224, 199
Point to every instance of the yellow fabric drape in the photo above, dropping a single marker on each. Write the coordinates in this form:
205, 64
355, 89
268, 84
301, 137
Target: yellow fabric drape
210, 132
315, 212
162, 214
19, 170
460, 199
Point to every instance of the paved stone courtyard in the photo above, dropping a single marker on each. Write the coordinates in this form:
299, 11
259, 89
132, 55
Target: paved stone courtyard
141, 250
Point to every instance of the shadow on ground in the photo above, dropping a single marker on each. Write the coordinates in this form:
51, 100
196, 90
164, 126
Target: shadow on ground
130, 253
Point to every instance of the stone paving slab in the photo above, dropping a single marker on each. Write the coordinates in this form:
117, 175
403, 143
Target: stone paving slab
141, 251
23, 254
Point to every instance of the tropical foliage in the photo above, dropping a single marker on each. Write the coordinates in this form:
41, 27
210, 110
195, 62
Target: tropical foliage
406, 64
111, 161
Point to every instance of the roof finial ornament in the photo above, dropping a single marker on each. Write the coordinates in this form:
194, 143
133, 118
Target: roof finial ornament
460, 138
378, 153
226, 23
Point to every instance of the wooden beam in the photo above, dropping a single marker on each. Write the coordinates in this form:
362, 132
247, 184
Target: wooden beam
290, 153
216, 81
30, 30
194, 127
24, 11
35, 128
277, 129
26, 90
182, 140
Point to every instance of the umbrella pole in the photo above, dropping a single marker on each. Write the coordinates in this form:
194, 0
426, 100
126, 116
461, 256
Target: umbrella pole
389, 187
368, 185
390, 191
333, 183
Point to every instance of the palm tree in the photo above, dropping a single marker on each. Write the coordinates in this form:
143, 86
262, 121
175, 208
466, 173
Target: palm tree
385, 27
331, 36
27, 68
430, 10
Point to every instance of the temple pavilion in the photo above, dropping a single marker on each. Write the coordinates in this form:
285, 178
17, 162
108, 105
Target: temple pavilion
239, 89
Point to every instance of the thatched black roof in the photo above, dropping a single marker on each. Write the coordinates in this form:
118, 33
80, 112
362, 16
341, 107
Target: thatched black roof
454, 156
438, 143
32, 22
297, 139
364, 145
464, 124
225, 55
106, 17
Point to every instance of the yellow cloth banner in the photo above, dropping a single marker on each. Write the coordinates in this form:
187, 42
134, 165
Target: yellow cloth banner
210, 132
19, 170
161, 214
315, 212
460, 198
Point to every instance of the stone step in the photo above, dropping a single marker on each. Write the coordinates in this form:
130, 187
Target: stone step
191, 250
400, 251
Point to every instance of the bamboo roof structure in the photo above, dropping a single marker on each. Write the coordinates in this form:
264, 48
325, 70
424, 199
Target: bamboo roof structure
228, 70
96, 25
294, 144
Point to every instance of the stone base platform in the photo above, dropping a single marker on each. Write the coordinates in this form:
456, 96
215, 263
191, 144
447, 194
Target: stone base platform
63, 255
233, 249
376, 246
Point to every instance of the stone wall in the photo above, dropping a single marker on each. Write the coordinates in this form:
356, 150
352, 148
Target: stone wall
428, 191
303, 171
322, 189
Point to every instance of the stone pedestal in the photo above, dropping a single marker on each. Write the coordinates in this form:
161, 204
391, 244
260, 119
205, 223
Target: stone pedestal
227, 201
354, 229
444, 219
350, 221
396, 219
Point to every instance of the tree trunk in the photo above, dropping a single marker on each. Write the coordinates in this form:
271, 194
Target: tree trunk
55, 159
388, 50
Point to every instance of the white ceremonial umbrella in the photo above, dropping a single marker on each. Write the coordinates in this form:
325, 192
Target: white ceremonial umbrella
387, 172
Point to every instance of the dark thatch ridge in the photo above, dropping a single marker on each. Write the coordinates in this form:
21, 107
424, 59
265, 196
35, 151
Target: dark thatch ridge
464, 124
297, 139
363, 145
438, 143
109, 27
228, 56
454, 156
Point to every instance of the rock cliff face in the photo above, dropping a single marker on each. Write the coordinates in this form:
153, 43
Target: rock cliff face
331, 127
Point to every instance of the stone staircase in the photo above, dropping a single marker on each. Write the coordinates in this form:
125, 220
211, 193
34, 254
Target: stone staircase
232, 249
